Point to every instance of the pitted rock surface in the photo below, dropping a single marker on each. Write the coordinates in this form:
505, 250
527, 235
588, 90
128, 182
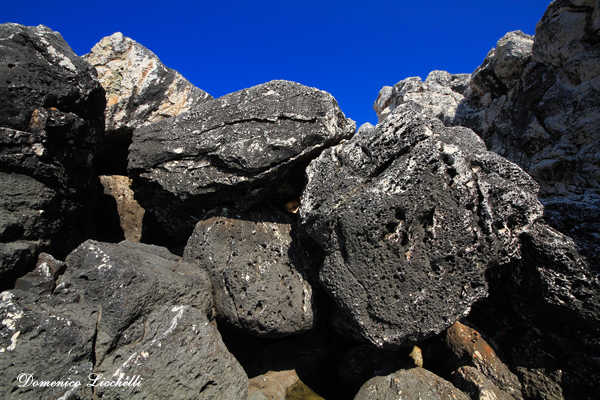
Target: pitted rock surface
236, 150
415, 383
140, 89
119, 310
410, 216
261, 270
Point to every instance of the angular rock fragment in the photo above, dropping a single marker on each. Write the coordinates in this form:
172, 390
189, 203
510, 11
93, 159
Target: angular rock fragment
139, 89
234, 150
131, 214
261, 270
120, 311
410, 217
475, 384
415, 383
464, 346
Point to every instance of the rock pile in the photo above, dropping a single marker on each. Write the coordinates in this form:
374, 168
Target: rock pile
403, 260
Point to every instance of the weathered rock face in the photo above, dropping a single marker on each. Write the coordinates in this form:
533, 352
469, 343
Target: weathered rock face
438, 96
51, 118
139, 88
415, 383
119, 311
410, 216
471, 381
237, 150
261, 270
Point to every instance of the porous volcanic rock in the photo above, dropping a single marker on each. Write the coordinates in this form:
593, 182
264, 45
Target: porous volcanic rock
415, 383
261, 270
410, 215
131, 214
234, 150
471, 381
119, 311
140, 89
51, 117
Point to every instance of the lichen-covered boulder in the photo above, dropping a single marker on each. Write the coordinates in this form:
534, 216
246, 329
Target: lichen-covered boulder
120, 313
234, 150
140, 89
410, 215
262, 270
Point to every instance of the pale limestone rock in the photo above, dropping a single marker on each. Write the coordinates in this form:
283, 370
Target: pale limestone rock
140, 89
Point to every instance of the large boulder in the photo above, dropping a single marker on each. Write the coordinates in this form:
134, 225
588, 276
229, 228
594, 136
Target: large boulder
234, 150
140, 89
51, 117
261, 269
410, 215
123, 312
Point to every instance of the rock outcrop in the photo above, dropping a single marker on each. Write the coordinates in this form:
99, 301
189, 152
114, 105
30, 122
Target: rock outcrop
410, 215
119, 312
131, 214
235, 150
261, 269
51, 117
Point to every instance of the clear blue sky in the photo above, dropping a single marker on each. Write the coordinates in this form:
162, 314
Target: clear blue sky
348, 48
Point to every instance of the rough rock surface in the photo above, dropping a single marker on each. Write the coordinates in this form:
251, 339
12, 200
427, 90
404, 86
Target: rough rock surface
439, 95
120, 310
139, 88
279, 385
237, 149
410, 215
464, 346
51, 117
471, 381
261, 270
131, 214
412, 384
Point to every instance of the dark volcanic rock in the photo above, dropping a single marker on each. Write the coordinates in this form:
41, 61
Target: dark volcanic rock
410, 216
40, 70
475, 384
236, 150
119, 311
51, 117
261, 270
411, 384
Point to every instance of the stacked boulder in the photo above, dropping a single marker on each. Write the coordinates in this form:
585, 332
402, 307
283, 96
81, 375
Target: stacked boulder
51, 118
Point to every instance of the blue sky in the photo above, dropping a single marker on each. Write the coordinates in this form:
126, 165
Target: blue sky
348, 48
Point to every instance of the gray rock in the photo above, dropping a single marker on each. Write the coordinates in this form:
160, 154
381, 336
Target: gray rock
438, 96
139, 88
120, 311
410, 217
236, 150
412, 384
51, 117
261, 270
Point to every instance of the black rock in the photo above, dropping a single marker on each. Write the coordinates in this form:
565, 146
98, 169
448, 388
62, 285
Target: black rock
410, 215
234, 150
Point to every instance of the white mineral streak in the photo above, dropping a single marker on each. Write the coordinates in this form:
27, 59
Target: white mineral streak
139, 356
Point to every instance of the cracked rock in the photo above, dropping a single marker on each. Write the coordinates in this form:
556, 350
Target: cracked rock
234, 150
